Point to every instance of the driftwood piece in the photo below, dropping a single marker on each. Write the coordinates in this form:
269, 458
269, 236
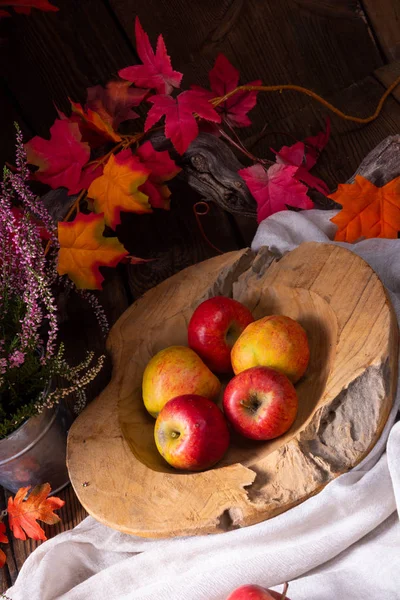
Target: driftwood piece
344, 398
382, 164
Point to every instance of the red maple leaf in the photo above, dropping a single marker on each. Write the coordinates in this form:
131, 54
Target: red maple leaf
114, 102
156, 71
3, 540
162, 168
275, 189
305, 154
223, 79
180, 125
24, 6
60, 159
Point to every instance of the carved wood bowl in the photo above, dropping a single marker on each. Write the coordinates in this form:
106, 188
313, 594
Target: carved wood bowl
344, 398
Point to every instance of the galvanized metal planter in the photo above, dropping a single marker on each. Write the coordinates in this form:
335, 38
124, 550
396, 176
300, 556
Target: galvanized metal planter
36, 452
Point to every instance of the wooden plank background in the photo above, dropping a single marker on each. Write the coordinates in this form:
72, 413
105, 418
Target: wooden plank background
345, 50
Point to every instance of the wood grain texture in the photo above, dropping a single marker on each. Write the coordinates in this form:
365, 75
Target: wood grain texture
353, 338
54, 56
384, 17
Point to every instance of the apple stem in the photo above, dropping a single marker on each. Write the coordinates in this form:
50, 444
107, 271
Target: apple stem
285, 589
175, 434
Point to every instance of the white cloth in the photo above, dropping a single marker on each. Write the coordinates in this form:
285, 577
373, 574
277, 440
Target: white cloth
342, 543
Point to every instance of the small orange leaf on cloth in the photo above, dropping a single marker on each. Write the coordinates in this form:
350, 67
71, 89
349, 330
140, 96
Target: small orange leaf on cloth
368, 211
83, 249
24, 514
117, 190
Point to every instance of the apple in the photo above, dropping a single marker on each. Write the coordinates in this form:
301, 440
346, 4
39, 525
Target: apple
175, 371
256, 592
191, 433
260, 403
214, 328
276, 341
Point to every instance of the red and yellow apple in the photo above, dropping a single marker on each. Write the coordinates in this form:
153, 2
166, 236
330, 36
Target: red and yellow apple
256, 592
191, 433
213, 329
260, 403
275, 341
175, 371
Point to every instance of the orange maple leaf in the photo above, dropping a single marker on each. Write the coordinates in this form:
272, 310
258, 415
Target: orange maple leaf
368, 211
23, 514
95, 122
3, 540
117, 190
83, 249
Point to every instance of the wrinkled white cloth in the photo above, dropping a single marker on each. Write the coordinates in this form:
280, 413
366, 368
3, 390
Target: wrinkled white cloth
342, 543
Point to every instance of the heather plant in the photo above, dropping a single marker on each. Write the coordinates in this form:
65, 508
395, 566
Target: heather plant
30, 353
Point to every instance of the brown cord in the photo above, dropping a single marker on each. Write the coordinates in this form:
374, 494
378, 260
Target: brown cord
298, 88
202, 213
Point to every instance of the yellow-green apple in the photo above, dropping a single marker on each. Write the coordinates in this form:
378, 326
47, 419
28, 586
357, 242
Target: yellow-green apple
213, 329
276, 341
260, 403
175, 371
256, 592
191, 433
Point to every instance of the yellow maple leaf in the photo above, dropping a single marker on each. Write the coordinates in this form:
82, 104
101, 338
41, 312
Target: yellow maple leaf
117, 190
368, 211
83, 249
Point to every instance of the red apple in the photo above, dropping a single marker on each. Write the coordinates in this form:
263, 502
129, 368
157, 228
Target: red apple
191, 433
260, 403
213, 329
256, 592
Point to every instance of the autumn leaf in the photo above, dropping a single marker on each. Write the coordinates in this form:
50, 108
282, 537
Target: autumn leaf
223, 79
162, 168
117, 190
95, 130
114, 102
156, 72
305, 154
83, 249
24, 6
180, 124
275, 189
3, 540
60, 159
24, 514
368, 211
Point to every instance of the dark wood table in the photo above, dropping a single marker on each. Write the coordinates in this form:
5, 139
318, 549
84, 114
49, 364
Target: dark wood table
175, 240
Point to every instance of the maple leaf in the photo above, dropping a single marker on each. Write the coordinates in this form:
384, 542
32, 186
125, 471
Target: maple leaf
83, 249
223, 79
180, 124
156, 72
114, 102
117, 190
24, 514
305, 154
368, 211
93, 127
3, 540
162, 168
276, 189
24, 6
60, 159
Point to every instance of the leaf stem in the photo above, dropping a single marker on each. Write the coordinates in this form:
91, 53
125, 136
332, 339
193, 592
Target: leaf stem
297, 88
284, 591
242, 148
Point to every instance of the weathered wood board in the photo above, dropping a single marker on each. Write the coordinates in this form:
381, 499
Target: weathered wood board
345, 396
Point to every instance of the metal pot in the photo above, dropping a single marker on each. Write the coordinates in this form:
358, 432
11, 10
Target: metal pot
36, 452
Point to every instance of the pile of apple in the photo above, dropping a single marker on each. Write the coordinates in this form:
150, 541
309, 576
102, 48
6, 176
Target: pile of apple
267, 357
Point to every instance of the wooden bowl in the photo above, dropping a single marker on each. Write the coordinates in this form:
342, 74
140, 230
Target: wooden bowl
344, 398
